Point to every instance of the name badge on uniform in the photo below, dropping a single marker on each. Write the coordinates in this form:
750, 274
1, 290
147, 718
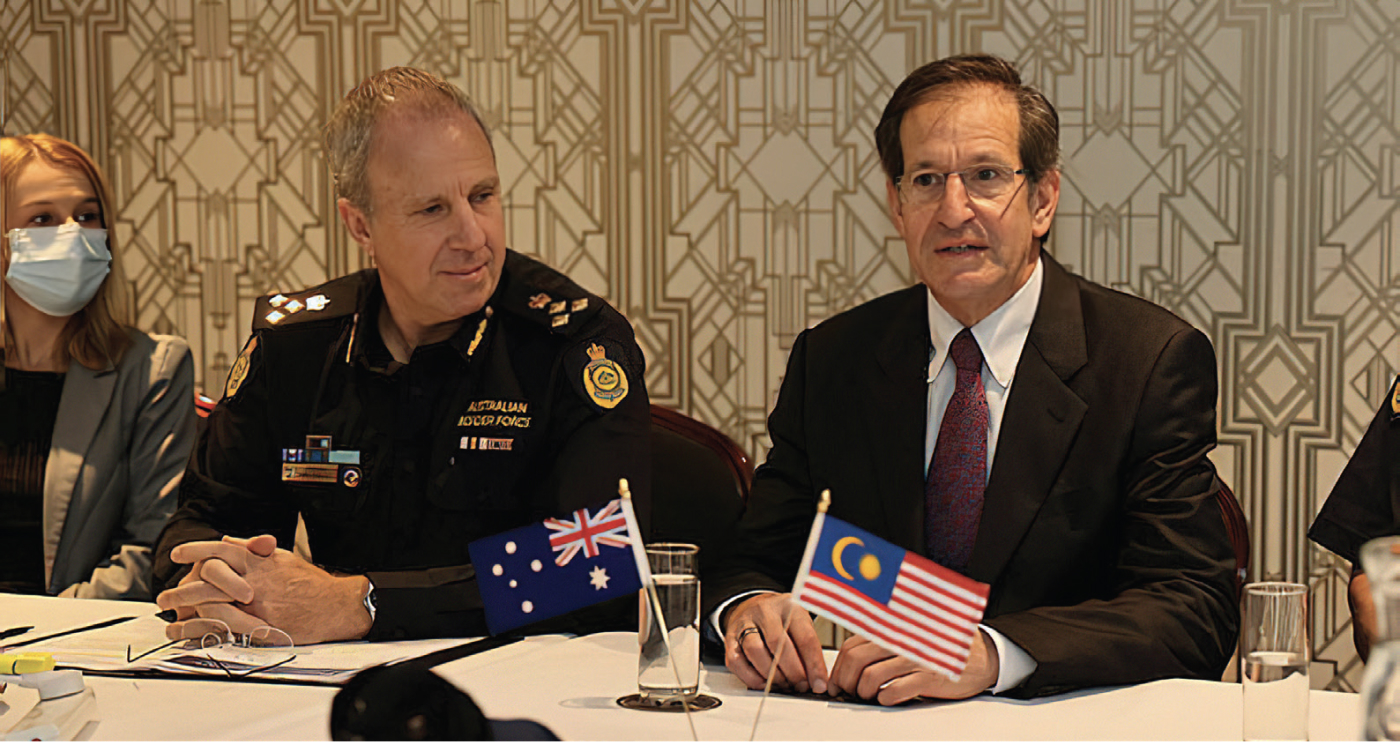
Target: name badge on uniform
479, 443
318, 463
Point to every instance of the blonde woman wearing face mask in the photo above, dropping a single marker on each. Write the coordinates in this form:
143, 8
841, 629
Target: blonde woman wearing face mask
96, 418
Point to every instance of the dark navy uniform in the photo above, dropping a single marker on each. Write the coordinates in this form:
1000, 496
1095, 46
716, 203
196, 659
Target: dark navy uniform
534, 408
1365, 502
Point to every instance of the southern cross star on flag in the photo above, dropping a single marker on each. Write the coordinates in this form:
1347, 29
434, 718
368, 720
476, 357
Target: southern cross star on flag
897, 599
547, 569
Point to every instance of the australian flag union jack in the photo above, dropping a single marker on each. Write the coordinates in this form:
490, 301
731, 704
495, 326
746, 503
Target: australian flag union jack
546, 569
586, 532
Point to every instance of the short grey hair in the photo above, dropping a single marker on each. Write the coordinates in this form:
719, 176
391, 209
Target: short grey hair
348, 133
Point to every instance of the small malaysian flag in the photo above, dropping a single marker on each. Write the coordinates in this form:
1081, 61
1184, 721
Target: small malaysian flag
898, 599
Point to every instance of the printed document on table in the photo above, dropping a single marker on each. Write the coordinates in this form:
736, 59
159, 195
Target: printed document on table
106, 650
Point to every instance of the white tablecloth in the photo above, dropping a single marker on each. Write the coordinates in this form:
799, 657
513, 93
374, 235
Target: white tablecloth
571, 686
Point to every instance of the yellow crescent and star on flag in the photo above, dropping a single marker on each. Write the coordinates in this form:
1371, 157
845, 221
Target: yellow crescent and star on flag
868, 564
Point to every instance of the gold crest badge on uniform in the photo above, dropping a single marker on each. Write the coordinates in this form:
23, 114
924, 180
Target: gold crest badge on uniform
603, 379
239, 372
1395, 399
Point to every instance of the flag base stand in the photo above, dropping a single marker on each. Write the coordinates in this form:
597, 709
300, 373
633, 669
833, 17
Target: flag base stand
636, 702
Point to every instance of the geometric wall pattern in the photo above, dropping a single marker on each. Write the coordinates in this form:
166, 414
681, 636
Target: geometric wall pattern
709, 168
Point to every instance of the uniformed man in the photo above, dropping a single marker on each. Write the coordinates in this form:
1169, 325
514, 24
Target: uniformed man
1365, 504
459, 390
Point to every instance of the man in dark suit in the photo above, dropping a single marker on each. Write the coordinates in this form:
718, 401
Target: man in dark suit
1070, 471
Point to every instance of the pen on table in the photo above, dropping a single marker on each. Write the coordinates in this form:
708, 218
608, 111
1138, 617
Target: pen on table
66, 632
16, 631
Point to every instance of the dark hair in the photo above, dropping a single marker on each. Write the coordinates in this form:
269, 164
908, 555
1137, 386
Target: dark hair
1040, 124
351, 126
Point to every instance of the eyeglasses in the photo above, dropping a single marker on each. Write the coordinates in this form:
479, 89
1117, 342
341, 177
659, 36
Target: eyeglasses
982, 182
238, 655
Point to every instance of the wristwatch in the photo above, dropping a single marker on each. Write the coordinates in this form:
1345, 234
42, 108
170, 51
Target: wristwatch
371, 603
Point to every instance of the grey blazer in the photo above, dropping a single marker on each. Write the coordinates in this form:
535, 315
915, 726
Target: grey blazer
120, 444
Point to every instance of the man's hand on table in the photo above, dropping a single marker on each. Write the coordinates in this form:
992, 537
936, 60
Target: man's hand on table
247, 583
1363, 614
748, 653
867, 670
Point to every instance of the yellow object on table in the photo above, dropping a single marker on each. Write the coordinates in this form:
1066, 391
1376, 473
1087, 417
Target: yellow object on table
21, 663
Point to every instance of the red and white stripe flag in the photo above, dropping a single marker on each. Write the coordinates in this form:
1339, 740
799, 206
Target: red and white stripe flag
898, 599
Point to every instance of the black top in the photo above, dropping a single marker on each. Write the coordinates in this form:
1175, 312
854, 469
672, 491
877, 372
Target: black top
1365, 501
28, 408
397, 467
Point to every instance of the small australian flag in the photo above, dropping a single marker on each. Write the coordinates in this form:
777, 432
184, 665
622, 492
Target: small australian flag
547, 569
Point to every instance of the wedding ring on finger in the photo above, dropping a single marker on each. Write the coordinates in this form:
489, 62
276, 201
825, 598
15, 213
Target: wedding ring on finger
750, 630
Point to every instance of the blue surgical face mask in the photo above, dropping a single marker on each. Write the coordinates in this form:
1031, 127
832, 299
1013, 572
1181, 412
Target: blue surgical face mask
57, 270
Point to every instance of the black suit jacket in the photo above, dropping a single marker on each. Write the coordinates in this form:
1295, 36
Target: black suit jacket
1108, 558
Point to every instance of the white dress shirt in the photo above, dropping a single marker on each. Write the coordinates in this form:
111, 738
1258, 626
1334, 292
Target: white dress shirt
1001, 335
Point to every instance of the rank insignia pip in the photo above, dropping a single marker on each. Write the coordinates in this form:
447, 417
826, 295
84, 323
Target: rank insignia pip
604, 379
239, 372
539, 301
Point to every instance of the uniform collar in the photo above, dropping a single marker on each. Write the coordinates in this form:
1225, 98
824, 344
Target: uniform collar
370, 351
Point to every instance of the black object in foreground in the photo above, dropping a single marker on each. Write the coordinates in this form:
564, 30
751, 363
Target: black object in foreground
78, 630
411, 702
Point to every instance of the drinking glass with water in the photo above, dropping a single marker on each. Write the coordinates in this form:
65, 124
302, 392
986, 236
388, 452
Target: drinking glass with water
673, 568
1380, 685
1274, 644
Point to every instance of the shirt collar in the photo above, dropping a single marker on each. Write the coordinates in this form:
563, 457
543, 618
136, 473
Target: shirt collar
1001, 335
374, 354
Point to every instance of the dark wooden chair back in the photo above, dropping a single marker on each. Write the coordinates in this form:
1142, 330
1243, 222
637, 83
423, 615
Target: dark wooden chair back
1237, 527
700, 481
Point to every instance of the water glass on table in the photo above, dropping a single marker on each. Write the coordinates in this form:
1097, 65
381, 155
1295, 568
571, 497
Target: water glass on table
1380, 684
674, 570
1274, 646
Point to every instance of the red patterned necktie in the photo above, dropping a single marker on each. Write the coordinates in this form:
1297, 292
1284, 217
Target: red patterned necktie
957, 476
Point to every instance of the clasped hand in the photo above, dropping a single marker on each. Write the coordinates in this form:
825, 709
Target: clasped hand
247, 583
754, 635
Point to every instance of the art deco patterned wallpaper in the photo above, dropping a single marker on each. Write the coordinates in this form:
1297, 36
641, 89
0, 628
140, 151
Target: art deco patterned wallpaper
708, 167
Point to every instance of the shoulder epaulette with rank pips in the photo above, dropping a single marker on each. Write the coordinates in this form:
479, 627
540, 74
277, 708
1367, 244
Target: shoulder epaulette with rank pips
331, 300
545, 296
